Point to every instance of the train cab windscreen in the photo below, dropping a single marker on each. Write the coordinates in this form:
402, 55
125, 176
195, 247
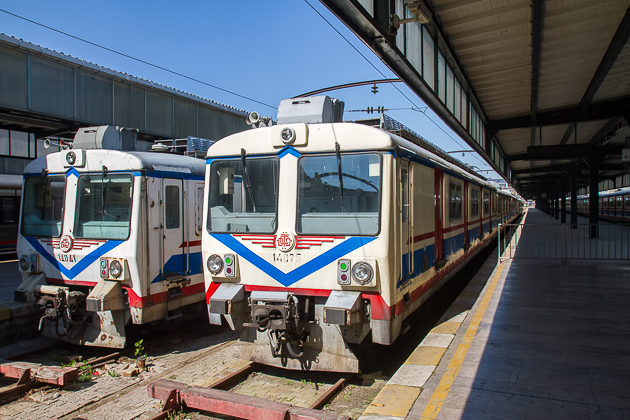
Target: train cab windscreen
243, 195
42, 211
339, 194
103, 206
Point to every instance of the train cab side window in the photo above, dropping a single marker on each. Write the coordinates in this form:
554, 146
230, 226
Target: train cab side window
455, 201
171, 207
43, 205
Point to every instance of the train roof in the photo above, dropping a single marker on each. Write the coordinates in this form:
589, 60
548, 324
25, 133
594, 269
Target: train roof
318, 138
609, 193
616, 191
93, 160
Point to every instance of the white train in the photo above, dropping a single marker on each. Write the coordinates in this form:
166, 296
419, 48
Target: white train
110, 237
320, 234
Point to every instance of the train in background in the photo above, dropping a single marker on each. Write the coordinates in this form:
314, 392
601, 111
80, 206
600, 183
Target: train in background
10, 195
614, 205
110, 236
319, 234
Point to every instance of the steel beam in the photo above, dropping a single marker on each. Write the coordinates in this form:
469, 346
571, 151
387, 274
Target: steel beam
603, 110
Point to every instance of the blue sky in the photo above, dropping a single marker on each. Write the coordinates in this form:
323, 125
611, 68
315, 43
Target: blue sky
263, 50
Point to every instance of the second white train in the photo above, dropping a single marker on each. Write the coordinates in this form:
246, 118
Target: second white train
319, 235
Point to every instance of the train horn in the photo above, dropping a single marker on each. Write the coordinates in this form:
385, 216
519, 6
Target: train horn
61, 144
253, 118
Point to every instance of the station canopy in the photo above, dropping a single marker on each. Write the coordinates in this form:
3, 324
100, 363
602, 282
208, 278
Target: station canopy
541, 89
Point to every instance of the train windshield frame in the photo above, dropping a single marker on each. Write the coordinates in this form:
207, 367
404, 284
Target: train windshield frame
103, 207
324, 207
243, 195
43, 206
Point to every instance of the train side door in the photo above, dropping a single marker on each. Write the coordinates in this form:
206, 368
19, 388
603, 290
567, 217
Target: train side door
406, 219
173, 229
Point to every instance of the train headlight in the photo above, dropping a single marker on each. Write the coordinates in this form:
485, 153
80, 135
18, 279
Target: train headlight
115, 268
71, 158
215, 264
362, 272
24, 263
288, 135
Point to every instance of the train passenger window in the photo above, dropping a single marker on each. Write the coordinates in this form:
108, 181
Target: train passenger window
486, 203
603, 203
42, 213
474, 203
619, 200
243, 195
627, 205
334, 201
103, 209
455, 201
171, 207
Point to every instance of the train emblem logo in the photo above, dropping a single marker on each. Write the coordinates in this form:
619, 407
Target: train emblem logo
65, 244
285, 241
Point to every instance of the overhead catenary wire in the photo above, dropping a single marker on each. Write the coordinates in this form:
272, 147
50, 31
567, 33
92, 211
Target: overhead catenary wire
395, 87
138, 59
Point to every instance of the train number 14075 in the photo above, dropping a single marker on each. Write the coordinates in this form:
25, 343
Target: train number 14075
287, 258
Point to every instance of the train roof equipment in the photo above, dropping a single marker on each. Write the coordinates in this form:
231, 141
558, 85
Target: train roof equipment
325, 110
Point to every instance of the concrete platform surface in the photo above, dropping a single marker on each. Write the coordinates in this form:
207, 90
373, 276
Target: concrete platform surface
542, 339
18, 320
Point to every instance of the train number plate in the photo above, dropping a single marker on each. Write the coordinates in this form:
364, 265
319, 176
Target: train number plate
289, 257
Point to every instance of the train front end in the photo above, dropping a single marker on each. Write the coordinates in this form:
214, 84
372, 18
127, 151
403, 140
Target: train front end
77, 245
295, 242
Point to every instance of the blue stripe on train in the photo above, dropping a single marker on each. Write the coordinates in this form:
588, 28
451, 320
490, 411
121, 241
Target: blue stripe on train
473, 234
81, 265
418, 260
176, 264
306, 269
453, 244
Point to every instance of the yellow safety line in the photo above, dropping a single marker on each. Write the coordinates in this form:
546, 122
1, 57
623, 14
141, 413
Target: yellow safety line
441, 392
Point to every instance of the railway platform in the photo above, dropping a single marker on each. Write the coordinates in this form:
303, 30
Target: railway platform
530, 337
18, 320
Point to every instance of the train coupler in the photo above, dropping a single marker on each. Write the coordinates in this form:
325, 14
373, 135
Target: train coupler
285, 320
65, 308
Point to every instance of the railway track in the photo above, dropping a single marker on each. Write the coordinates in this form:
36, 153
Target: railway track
203, 361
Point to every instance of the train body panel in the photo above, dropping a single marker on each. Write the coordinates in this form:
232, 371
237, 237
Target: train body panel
318, 235
112, 237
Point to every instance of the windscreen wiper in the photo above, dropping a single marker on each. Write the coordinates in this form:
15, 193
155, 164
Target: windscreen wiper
339, 172
248, 186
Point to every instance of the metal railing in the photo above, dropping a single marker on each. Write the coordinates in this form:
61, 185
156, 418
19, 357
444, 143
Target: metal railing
564, 242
